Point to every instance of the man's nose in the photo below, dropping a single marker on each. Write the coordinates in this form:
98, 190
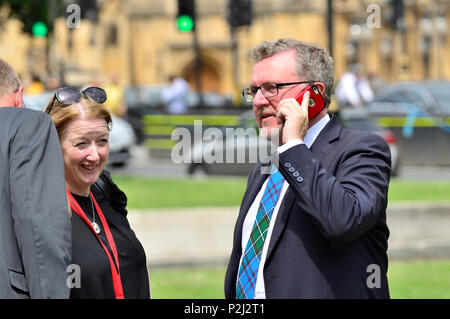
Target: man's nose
259, 99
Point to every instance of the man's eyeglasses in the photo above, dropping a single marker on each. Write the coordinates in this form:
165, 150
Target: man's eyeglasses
70, 95
268, 89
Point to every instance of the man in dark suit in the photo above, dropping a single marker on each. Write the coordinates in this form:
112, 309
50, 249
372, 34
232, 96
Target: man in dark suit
35, 229
324, 234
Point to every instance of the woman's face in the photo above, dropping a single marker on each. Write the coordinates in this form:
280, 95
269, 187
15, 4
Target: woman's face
85, 149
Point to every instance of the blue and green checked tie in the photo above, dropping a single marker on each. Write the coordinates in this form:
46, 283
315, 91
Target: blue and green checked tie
248, 270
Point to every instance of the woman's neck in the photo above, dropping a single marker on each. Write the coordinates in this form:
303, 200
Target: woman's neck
78, 191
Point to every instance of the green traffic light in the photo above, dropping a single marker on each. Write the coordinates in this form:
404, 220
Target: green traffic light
185, 23
39, 29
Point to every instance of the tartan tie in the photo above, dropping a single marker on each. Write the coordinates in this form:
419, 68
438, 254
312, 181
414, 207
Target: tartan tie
248, 270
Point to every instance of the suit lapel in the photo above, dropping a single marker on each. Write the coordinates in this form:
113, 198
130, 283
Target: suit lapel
319, 148
330, 132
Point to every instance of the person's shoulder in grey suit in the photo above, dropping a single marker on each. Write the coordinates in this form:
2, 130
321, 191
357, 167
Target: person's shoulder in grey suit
35, 232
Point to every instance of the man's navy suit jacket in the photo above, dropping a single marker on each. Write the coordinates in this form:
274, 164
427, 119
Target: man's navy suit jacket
330, 235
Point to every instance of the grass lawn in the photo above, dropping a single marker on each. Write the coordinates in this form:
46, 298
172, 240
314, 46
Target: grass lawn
148, 193
145, 193
407, 280
419, 279
405, 190
189, 283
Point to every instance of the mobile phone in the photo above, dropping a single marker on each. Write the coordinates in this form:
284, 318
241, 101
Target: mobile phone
316, 101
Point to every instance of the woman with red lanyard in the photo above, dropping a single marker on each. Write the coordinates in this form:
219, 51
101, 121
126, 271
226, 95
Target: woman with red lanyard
111, 260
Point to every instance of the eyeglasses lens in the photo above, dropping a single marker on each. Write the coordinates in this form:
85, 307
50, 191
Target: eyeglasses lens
96, 94
68, 96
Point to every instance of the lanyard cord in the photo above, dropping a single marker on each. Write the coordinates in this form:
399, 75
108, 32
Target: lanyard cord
117, 283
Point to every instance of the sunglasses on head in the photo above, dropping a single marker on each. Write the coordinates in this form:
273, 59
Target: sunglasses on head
71, 95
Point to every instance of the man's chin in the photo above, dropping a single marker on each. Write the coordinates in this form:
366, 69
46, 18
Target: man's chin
272, 134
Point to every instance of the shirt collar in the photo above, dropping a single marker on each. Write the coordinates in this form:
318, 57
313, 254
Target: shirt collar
314, 131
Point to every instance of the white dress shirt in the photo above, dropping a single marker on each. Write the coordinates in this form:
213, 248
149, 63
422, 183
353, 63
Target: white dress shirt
352, 90
175, 96
308, 140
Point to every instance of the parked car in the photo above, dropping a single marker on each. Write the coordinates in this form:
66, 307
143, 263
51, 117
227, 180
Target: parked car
418, 113
240, 148
247, 144
121, 137
426, 97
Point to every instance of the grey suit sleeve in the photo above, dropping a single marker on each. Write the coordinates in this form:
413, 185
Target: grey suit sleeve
39, 206
346, 205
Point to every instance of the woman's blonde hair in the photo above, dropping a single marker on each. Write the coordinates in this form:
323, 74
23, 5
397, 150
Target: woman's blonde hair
62, 114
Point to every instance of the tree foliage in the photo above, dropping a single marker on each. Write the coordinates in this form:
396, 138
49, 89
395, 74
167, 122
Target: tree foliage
31, 11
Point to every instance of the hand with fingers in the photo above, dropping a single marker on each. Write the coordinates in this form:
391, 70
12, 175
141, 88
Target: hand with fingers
293, 118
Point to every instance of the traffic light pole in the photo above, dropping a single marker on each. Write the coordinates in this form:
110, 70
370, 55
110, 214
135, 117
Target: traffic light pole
239, 14
330, 26
198, 67
235, 61
187, 22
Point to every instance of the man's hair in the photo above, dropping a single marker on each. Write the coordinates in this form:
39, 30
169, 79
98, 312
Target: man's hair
9, 80
313, 62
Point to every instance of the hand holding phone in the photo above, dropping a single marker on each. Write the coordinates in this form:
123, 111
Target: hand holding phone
292, 118
316, 101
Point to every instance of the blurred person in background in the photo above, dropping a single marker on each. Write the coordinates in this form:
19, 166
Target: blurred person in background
175, 95
353, 89
35, 227
316, 226
111, 259
116, 93
53, 83
36, 86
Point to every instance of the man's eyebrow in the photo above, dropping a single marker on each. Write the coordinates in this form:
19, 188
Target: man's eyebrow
262, 83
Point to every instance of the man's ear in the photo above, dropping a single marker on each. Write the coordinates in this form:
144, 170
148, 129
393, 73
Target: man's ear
320, 86
18, 101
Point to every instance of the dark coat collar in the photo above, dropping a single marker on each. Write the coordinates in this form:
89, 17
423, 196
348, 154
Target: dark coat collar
329, 134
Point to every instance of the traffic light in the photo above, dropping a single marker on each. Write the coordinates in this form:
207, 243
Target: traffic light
239, 13
39, 29
186, 15
89, 10
398, 14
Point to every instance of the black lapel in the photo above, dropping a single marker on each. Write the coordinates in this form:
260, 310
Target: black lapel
330, 132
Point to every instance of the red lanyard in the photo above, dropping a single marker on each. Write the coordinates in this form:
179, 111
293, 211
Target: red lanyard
118, 290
